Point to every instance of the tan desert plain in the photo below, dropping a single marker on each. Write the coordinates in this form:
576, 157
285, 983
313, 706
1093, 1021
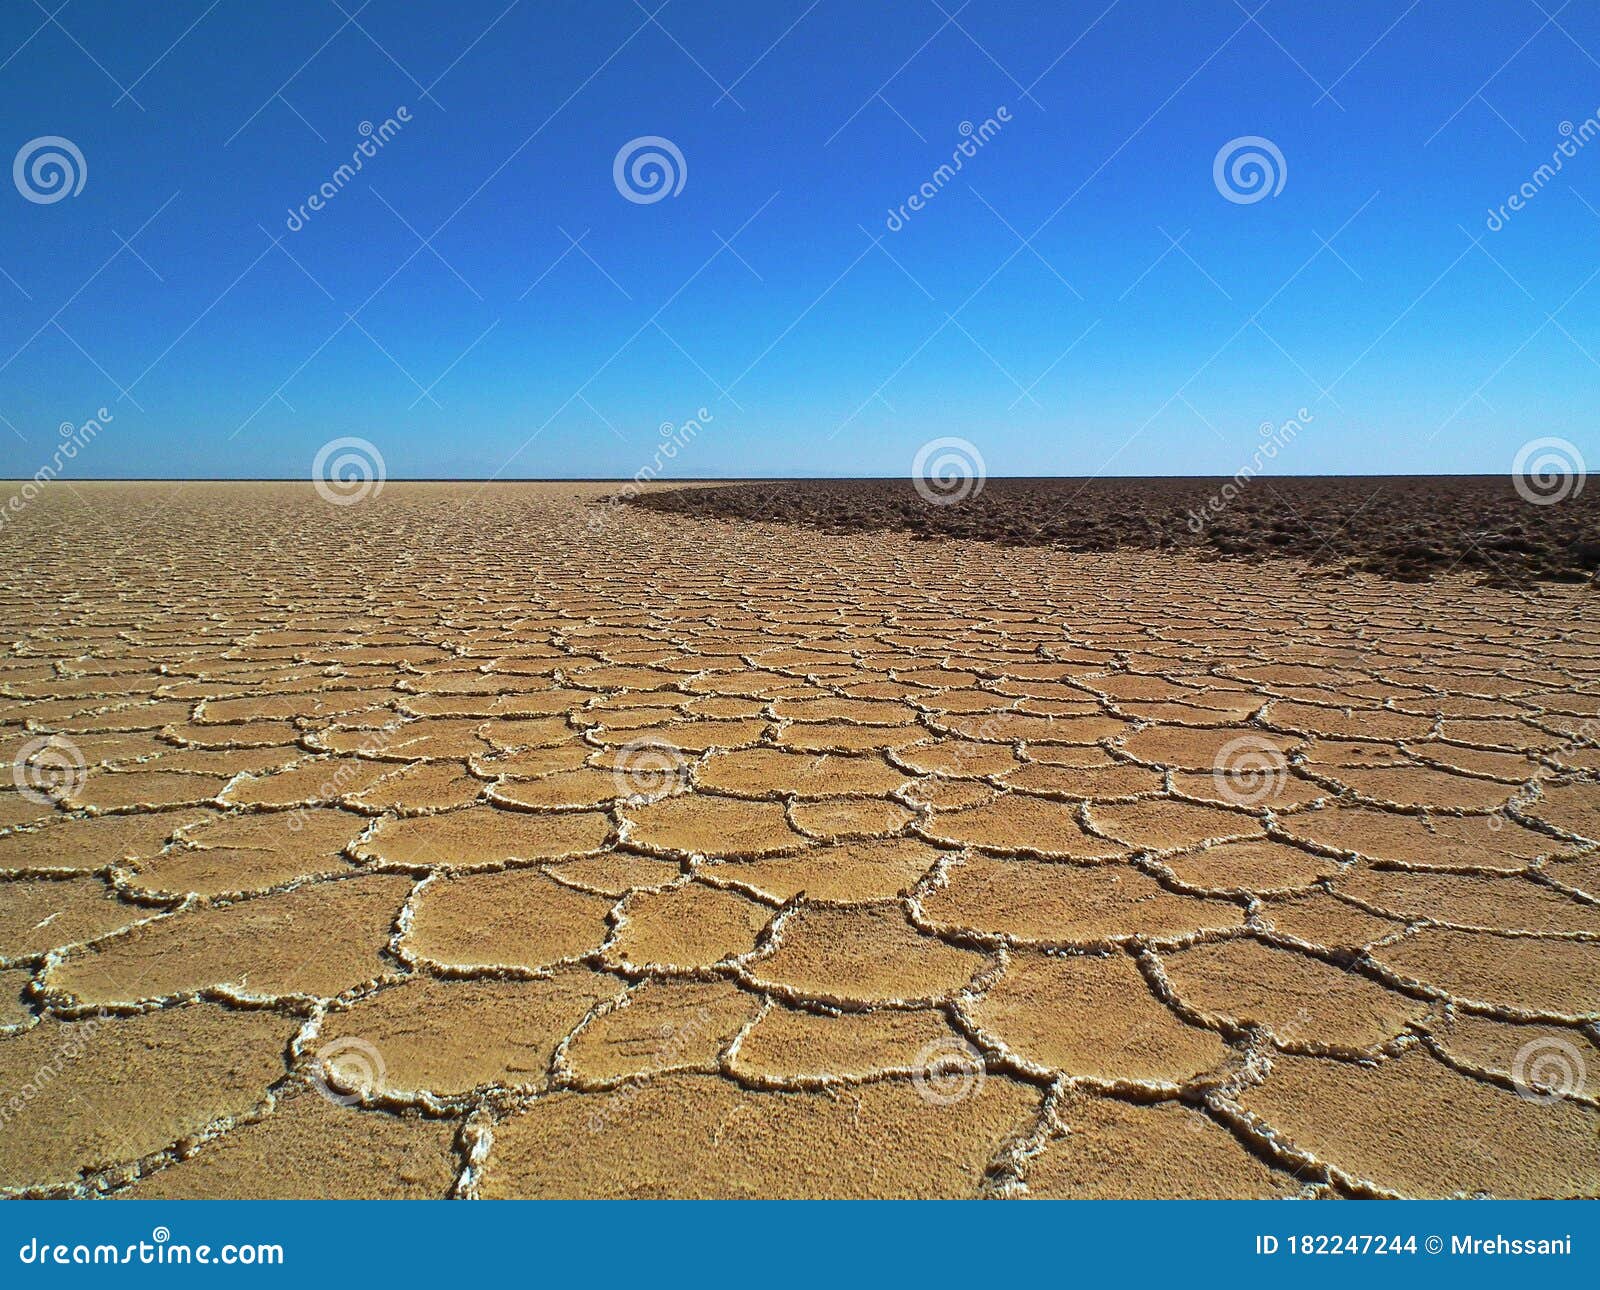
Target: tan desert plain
495, 841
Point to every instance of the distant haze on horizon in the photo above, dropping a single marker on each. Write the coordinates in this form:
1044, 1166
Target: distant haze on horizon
798, 240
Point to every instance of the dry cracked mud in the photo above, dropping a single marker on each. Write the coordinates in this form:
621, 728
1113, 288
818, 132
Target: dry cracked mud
504, 841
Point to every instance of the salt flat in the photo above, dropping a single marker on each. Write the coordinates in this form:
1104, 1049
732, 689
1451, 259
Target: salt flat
499, 841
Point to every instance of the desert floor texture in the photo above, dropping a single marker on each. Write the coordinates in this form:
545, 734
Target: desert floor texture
498, 841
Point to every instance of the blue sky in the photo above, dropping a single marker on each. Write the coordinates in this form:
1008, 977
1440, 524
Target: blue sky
1080, 298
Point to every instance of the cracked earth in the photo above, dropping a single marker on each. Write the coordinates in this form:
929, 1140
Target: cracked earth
493, 841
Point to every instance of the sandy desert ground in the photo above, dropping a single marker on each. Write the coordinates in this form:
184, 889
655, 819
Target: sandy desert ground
493, 841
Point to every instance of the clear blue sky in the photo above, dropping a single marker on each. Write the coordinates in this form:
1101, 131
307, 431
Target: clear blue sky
1356, 291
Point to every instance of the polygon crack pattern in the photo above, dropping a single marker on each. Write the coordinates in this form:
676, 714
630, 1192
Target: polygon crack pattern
499, 841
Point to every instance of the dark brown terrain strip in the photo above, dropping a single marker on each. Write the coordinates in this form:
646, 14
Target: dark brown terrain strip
1409, 528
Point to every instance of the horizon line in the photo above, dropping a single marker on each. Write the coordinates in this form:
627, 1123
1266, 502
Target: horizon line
695, 479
